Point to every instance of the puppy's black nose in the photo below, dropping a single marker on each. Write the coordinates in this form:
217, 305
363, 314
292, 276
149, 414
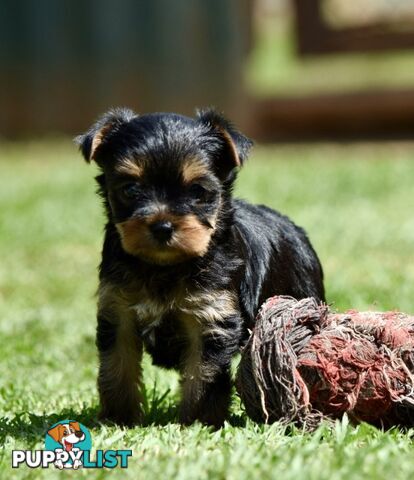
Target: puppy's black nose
79, 434
162, 231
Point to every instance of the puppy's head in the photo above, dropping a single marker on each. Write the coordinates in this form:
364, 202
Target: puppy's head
166, 179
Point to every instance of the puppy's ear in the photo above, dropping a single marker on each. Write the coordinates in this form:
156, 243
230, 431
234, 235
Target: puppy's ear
75, 426
56, 432
235, 145
91, 141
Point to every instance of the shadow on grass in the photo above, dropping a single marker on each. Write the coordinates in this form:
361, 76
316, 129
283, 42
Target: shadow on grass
162, 409
159, 409
237, 420
31, 428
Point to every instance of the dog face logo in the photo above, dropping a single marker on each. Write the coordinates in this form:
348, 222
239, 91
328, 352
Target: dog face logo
67, 434
68, 437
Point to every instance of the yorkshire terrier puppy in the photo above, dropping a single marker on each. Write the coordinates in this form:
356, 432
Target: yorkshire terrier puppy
184, 266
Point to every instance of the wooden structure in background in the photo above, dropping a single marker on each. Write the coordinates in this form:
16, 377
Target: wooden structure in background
373, 113
315, 36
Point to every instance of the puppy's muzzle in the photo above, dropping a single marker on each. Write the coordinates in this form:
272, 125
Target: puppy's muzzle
162, 231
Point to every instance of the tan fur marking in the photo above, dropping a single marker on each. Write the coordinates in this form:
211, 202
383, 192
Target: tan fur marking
98, 138
210, 307
195, 373
231, 144
190, 238
113, 299
193, 355
120, 372
201, 314
122, 361
193, 169
207, 308
129, 167
135, 303
134, 235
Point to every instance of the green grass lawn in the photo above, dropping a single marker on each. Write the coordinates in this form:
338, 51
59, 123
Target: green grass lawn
356, 203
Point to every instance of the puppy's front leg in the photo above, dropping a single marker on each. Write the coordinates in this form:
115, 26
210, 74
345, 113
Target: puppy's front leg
206, 381
119, 379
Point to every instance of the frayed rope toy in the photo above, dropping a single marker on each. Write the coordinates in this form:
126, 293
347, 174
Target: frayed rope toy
303, 364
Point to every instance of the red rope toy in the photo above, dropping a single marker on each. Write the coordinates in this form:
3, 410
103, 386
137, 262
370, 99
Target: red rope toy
303, 364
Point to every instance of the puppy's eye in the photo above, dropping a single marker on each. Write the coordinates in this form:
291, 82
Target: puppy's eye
65, 432
131, 190
197, 191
